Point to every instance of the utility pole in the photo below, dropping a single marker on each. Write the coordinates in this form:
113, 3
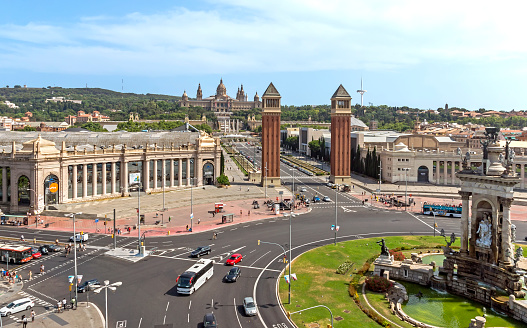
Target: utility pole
265, 181
380, 176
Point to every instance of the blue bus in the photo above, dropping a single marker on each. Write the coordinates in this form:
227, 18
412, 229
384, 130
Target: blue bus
442, 210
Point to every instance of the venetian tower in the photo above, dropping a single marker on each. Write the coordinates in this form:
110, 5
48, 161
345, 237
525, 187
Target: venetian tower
340, 136
487, 235
271, 136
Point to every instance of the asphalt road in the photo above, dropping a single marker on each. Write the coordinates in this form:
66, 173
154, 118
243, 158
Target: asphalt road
148, 297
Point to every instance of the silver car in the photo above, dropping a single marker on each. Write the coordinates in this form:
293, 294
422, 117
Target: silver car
249, 306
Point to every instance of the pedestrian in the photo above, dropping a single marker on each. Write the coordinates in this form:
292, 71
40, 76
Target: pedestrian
249, 213
59, 306
19, 277
169, 219
22, 238
33, 314
187, 227
64, 303
199, 220
30, 274
42, 268
248, 189
24, 321
241, 212
83, 247
56, 242
214, 214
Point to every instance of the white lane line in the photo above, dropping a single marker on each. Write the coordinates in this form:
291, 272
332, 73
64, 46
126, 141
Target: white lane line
259, 258
252, 251
234, 229
258, 223
225, 246
189, 304
236, 312
245, 226
140, 320
166, 310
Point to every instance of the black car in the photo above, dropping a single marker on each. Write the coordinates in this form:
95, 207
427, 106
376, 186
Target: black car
88, 285
202, 250
43, 250
52, 248
209, 321
232, 275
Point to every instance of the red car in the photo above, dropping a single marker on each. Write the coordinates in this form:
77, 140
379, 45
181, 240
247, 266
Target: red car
235, 258
35, 253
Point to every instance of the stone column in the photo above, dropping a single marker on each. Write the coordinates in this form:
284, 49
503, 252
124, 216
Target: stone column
114, 181
84, 181
14, 192
74, 182
155, 174
94, 180
445, 172
506, 238
188, 172
163, 173
180, 173
465, 197
171, 173
438, 172
198, 171
453, 172
4, 184
124, 178
103, 178
146, 175
522, 176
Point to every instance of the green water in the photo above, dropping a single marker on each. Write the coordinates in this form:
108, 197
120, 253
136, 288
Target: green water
438, 258
446, 310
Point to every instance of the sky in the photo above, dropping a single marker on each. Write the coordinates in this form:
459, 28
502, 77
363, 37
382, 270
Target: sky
424, 54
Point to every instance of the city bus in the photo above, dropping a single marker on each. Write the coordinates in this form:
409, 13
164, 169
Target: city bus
15, 253
195, 276
442, 210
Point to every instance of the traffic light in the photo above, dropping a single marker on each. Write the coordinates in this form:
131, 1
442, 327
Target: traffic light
258, 242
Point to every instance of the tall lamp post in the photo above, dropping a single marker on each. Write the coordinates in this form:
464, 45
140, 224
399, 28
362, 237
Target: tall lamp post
336, 192
406, 188
191, 203
138, 186
35, 205
107, 286
72, 215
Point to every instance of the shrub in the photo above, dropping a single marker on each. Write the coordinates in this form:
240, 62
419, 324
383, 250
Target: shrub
397, 255
364, 269
344, 267
378, 284
223, 180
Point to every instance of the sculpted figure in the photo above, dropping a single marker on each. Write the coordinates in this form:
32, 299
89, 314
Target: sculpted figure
484, 232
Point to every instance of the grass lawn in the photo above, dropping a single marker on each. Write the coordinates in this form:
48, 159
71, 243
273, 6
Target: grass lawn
318, 282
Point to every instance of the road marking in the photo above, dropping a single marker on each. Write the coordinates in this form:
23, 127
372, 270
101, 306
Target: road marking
259, 223
225, 246
245, 226
140, 320
234, 229
189, 304
166, 310
260, 258
236, 312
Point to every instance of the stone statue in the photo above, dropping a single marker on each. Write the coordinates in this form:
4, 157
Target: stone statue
384, 249
485, 144
518, 256
448, 249
484, 232
513, 233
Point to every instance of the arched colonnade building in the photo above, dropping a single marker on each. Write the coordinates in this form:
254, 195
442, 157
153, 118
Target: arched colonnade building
70, 167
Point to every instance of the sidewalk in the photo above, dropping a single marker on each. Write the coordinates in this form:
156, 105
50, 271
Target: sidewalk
82, 317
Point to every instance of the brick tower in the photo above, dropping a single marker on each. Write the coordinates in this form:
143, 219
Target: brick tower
271, 136
340, 136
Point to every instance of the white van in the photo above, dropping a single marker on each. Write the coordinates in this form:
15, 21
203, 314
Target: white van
80, 237
17, 306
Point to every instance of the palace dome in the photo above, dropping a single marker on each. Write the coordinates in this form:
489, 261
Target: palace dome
221, 90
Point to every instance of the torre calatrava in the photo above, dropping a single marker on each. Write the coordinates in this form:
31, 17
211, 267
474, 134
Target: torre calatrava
486, 260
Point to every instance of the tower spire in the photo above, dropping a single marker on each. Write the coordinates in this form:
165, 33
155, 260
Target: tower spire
362, 92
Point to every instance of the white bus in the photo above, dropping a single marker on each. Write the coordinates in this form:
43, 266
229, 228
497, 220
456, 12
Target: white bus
195, 276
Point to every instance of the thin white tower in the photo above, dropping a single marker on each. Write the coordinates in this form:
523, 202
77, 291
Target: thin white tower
362, 92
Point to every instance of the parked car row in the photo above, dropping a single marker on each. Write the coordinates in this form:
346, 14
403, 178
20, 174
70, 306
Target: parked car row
293, 165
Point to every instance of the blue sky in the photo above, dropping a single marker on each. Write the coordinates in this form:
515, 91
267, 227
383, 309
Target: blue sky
424, 54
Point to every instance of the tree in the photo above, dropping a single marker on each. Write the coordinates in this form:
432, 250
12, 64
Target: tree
314, 146
223, 180
93, 126
27, 128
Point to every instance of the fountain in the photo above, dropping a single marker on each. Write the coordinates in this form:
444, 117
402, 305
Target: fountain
485, 269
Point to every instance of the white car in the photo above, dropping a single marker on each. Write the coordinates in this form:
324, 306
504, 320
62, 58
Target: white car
303, 189
249, 306
17, 306
326, 199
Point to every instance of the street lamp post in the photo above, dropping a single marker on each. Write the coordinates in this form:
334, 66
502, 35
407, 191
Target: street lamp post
72, 215
107, 286
191, 204
406, 188
164, 182
138, 185
434, 222
336, 192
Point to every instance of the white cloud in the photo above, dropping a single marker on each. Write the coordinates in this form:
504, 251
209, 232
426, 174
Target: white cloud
272, 36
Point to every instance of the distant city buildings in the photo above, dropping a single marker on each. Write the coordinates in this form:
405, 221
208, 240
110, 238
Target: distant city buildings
82, 117
62, 99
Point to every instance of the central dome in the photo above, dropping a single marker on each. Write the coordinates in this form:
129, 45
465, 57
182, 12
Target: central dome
221, 90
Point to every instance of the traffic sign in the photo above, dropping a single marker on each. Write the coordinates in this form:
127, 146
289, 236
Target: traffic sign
96, 220
70, 279
191, 215
79, 278
53, 187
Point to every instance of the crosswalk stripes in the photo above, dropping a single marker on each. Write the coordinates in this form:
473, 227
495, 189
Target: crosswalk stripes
35, 299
